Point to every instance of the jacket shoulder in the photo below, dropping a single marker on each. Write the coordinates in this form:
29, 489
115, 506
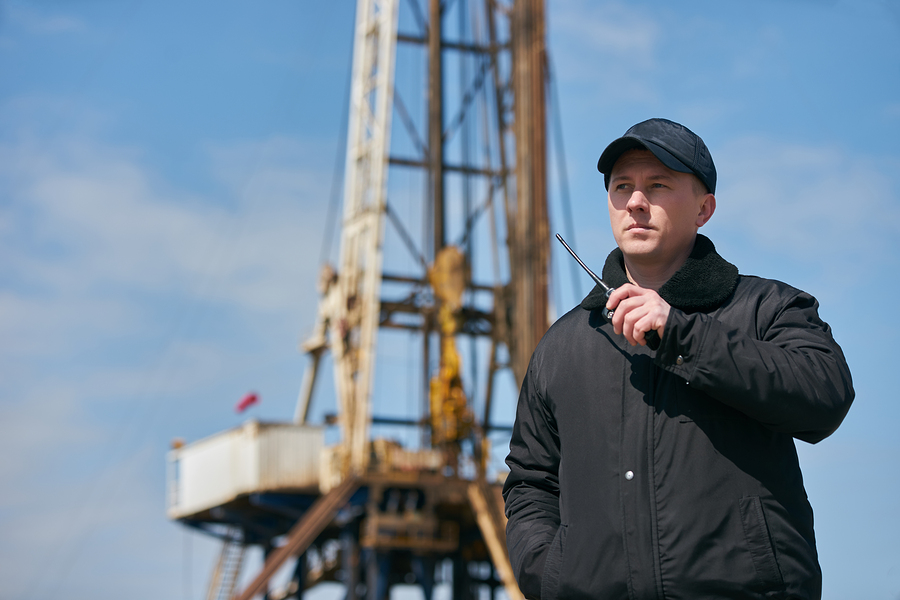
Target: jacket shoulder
752, 290
766, 303
755, 282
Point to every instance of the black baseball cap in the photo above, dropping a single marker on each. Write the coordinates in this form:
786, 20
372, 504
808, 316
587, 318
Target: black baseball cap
673, 144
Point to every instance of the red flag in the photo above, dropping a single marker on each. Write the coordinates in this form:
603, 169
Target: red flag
246, 402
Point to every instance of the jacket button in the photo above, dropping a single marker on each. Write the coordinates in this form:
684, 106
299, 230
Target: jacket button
629, 475
679, 360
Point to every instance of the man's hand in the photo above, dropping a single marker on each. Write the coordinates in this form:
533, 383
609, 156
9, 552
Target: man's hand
637, 311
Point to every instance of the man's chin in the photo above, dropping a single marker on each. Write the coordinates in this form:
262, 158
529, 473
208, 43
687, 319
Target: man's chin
639, 248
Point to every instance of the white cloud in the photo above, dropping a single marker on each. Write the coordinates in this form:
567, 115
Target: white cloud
43, 23
86, 225
609, 30
610, 42
31, 433
120, 508
124, 303
817, 205
104, 262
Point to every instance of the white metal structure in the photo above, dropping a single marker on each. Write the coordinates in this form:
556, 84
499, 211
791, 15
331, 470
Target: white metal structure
255, 457
353, 321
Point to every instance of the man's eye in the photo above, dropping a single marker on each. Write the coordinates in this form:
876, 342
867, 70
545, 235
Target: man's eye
657, 185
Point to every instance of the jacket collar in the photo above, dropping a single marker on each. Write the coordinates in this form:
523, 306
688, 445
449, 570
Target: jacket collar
703, 283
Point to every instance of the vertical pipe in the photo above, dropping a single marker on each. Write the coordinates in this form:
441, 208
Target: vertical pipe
436, 122
267, 551
350, 562
435, 159
299, 576
529, 249
541, 232
461, 582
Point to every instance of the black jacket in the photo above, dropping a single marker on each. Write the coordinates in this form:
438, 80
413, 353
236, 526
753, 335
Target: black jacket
673, 474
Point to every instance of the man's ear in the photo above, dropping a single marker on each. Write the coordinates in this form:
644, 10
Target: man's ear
707, 208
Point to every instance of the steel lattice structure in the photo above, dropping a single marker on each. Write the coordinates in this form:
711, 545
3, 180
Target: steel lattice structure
460, 254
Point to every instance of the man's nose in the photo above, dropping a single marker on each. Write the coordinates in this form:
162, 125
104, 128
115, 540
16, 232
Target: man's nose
637, 202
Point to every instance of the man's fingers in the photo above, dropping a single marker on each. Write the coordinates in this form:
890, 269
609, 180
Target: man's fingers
636, 312
642, 327
620, 293
635, 325
632, 315
618, 302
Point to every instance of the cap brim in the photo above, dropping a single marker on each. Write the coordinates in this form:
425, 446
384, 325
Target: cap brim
615, 150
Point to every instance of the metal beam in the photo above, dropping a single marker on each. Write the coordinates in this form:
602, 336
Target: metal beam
465, 169
419, 40
302, 534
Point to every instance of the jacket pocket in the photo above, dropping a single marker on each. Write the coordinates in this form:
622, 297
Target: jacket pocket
550, 579
756, 533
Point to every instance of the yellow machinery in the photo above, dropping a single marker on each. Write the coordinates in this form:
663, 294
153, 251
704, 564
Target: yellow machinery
451, 417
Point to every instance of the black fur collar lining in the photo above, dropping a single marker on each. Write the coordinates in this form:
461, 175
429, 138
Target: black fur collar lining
704, 282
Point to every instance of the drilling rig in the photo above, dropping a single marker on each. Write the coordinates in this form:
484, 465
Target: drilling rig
448, 97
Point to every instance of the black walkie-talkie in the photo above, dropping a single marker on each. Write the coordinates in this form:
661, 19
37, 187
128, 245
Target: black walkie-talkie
651, 337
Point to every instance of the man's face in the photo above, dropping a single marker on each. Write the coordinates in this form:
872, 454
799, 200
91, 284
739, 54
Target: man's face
654, 211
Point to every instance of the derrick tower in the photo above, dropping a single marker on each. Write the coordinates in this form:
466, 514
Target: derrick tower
444, 245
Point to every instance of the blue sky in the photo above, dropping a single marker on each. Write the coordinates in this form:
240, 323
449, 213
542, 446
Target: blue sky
165, 172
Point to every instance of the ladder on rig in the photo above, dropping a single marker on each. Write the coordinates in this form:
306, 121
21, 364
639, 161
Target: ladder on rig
228, 567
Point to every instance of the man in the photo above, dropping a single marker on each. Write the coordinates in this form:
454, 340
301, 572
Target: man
671, 473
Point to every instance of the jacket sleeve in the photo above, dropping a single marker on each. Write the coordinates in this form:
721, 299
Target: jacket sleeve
531, 490
787, 372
